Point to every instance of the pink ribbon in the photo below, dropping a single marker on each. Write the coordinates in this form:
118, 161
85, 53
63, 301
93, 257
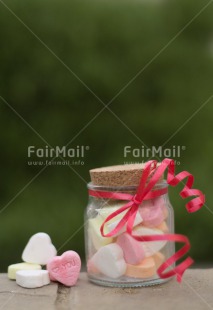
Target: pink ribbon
144, 192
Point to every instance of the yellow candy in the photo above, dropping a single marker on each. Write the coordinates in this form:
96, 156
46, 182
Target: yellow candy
94, 230
12, 269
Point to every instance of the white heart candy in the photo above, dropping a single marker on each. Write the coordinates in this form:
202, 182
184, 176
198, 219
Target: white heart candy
150, 247
105, 212
39, 249
32, 278
111, 226
109, 260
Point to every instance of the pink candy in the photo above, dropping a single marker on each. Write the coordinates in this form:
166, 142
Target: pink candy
132, 249
65, 268
152, 212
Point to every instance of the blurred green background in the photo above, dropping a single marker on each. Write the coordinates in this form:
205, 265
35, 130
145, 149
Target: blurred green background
105, 43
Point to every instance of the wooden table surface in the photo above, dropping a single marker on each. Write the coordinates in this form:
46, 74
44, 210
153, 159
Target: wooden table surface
195, 292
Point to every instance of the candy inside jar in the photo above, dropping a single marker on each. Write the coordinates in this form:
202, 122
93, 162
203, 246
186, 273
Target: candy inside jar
119, 259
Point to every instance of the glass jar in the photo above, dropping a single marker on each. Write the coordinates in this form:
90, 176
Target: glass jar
122, 261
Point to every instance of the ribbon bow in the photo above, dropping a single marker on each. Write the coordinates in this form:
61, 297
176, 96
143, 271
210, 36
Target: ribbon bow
144, 192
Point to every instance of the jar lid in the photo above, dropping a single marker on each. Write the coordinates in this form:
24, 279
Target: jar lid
121, 175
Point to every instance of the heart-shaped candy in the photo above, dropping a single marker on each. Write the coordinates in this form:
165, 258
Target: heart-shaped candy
32, 278
109, 260
159, 201
146, 269
12, 269
132, 250
152, 247
65, 268
109, 226
39, 249
152, 214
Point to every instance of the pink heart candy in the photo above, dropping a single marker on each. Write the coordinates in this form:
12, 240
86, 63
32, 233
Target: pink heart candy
151, 214
65, 268
132, 249
159, 201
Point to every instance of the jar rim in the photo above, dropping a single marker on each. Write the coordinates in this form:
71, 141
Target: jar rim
92, 186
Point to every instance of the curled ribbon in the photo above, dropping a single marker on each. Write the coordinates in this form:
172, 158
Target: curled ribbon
144, 192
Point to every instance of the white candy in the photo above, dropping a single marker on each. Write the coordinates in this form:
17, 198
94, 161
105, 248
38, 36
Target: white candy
109, 260
39, 249
150, 247
111, 226
32, 278
105, 212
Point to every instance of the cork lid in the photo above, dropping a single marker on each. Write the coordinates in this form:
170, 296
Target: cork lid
121, 175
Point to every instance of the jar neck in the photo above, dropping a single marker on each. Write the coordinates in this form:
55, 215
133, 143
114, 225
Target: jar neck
125, 193
123, 189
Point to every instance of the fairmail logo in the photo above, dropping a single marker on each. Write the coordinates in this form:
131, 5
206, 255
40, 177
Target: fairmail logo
174, 152
57, 156
48, 152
